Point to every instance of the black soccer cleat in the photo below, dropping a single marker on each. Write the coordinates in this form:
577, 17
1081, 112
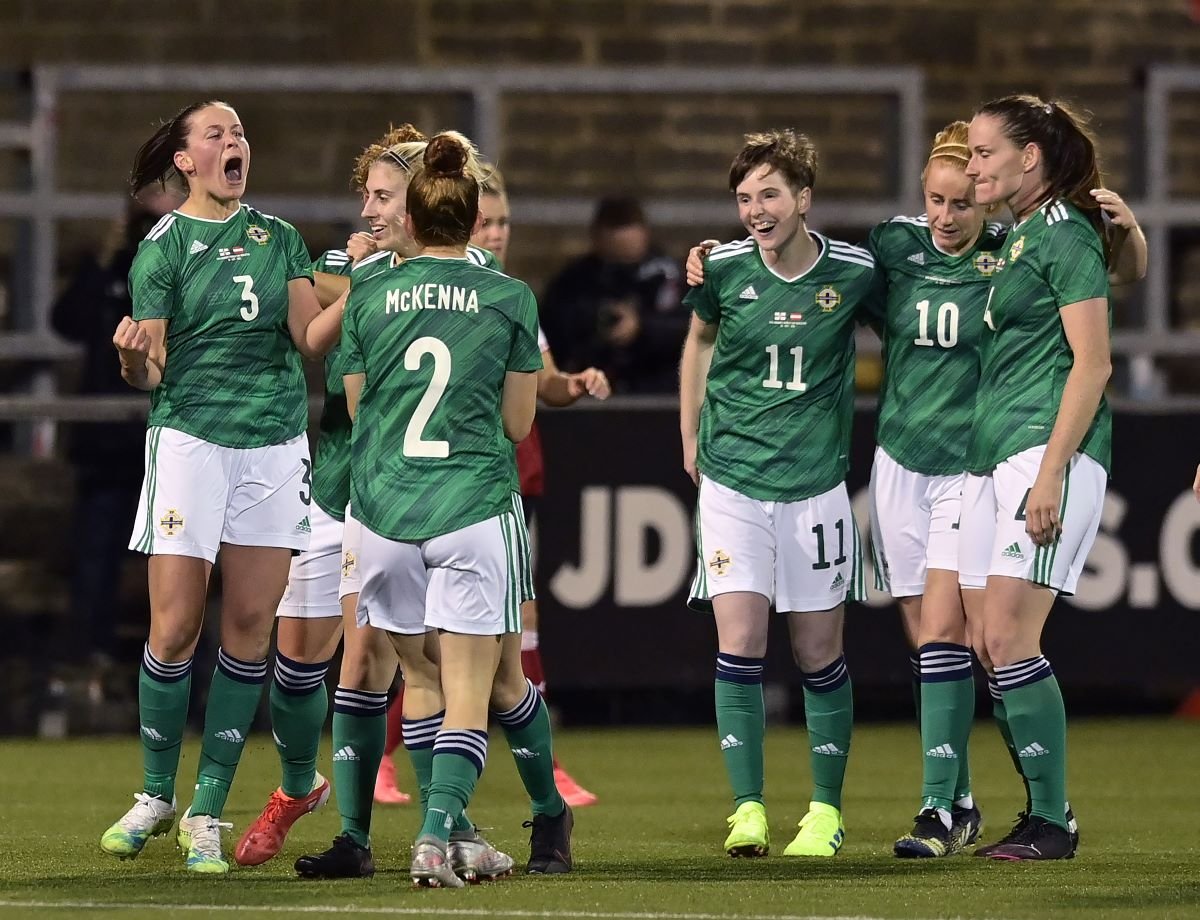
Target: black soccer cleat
928, 838
966, 824
1023, 819
345, 859
1035, 838
550, 843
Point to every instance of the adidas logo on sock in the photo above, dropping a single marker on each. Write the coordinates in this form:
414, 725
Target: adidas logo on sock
1033, 750
304, 526
525, 754
942, 750
232, 735
838, 583
345, 753
749, 293
197, 246
729, 741
918, 258
1013, 552
153, 734
831, 749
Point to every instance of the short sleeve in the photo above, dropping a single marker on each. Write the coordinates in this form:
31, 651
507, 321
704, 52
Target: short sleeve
703, 300
1075, 269
351, 357
873, 306
152, 283
525, 353
299, 262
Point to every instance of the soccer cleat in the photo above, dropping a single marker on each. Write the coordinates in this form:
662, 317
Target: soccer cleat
573, 793
550, 843
431, 864
966, 824
345, 859
929, 837
474, 859
200, 840
149, 817
1035, 838
264, 838
1023, 819
749, 834
821, 832
386, 790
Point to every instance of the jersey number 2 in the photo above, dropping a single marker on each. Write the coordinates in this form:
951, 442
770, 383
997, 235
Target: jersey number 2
250, 310
414, 444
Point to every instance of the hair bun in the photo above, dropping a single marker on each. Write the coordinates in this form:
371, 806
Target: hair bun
445, 156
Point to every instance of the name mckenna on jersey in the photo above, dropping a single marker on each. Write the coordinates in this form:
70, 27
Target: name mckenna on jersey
432, 297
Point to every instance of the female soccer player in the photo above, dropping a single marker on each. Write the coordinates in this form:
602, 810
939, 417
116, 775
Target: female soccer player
766, 404
441, 357
227, 466
555, 388
1042, 432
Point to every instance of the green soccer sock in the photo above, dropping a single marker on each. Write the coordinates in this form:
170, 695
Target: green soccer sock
233, 698
359, 735
163, 692
829, 714
1001, 716
459, 756
914, 662
741, 724
299, 704
947, 709
1038, 720
527, 731
419, 735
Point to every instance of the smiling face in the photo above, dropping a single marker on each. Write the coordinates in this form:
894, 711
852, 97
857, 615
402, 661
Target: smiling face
769, 208
496, 227
216, 158
384, 208
954, 218
998, 167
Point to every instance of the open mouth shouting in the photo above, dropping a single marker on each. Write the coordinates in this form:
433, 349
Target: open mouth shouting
234, 170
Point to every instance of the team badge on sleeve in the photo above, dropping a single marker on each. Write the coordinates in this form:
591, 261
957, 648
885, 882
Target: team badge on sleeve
258, 234
171, 523
828, 299
719, 563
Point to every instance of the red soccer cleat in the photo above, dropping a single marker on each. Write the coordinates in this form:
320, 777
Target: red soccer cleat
264, 838
573, 793
386, 790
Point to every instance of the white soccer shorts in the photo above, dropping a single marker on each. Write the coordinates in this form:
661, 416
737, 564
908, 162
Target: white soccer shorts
197, 495
914, 525
312, 588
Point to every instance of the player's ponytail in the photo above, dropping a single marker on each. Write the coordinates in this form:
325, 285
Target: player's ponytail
155, 159
443, 194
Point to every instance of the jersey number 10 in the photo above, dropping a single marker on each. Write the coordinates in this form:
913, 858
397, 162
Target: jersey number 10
947, 325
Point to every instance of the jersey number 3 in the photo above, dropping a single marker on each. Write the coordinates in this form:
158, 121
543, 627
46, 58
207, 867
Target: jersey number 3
414, 444
250, 309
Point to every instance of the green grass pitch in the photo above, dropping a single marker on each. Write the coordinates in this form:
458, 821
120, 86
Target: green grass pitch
652, 849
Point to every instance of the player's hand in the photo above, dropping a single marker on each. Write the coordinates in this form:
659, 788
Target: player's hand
1117, 210
695, 262
132, 342
1041, 508
689, 458
1196, 484
360, 245
592, 381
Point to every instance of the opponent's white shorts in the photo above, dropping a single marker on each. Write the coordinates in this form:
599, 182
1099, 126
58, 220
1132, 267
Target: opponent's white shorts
914, 525
802, 556
198, 495
469, 581
992, 537
317, 573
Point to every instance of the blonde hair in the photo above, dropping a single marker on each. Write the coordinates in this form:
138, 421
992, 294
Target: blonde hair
403, 145
950, 145
493, 181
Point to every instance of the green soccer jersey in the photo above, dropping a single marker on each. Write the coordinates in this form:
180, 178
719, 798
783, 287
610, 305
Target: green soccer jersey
331, 464
233, 375
1050, 260
932, 323
435, 338
779, 400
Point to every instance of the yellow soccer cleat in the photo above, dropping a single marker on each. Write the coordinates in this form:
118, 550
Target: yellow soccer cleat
821, 832
748, 831
200, 839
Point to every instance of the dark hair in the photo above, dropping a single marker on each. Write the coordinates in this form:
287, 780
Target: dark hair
786, 151
1068, 146
616, 211
443, 195
155, 159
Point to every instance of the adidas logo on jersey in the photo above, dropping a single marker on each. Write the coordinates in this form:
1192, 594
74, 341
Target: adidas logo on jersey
917, 258
525, 754
729, 741
1033, 750
942, 750
232, 735
153, 734
838, 583
831, 749
304, 526
1013, 551
197, 247
345, 753
749, 293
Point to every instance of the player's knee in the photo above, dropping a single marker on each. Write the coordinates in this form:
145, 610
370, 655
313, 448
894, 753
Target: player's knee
813, 653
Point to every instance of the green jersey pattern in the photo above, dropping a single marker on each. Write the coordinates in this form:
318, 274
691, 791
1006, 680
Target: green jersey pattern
233, 375
932, 323
331, 463
435, 338
1052, 259
779, 400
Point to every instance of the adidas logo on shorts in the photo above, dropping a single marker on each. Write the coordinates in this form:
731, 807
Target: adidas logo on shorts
345, 753
942, 750
232, 735
1013, 551
1033, 750
729, 741
304, 526
838, 583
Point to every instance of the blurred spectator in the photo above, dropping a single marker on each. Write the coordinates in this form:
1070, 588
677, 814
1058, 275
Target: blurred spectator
618, 307
108, 456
